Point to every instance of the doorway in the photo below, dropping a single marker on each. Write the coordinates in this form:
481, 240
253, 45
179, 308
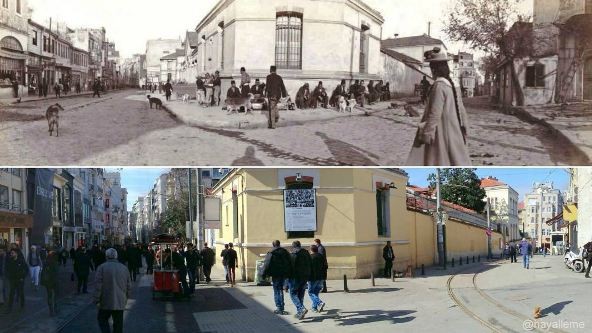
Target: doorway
588, 79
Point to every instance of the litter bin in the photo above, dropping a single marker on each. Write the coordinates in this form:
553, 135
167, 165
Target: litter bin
259, 280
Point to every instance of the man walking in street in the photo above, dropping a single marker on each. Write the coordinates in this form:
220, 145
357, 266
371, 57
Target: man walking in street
193, 261
275, 90
323, 252
168, 90
208, 257
113, 288
179, 265
82, 269
389, 256
217, 88
35, 266
525, 249
231, 259
278, 265
97, 88
16, 272
318, 275
224, 263
301, 268
512, 253
49, 279
134, 261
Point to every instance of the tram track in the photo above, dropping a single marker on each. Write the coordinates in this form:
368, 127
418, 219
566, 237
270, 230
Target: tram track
494, 326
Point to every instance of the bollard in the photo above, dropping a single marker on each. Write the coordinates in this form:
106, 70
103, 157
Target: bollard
460, 261
393, 275
452, 262
467, 260
345, 288
473, 259
372, 278
479, 258
422, 269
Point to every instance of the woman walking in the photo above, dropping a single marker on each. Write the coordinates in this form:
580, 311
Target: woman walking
441, 137
49, 279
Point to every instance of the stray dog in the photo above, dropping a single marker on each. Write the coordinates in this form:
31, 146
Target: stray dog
156, 101
53, 117
234, 104
346, 105
186, 98
537, 312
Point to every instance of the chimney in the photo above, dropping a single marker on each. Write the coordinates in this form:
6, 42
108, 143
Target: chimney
430, 28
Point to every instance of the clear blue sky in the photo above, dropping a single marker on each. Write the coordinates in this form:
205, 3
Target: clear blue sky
137, 181
520, 179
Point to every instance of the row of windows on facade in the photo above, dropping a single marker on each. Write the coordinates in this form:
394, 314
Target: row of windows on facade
60, 49
17, 197
498, 205
18, 5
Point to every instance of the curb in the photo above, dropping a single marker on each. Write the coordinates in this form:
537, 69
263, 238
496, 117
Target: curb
54, 98
522, 114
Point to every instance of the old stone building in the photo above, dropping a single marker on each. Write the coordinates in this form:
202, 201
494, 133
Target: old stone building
155, 50
307, 40
13, 45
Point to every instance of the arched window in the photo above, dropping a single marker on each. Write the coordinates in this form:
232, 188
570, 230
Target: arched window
11, 43
288, 40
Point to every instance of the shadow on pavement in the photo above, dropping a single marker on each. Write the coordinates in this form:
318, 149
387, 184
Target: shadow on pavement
373, 316
373, 290
555, 308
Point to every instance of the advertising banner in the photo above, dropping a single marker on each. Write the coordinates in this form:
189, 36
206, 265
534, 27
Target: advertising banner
300, 210
43, 198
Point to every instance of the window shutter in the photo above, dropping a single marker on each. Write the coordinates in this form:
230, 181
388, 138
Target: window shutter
379, 211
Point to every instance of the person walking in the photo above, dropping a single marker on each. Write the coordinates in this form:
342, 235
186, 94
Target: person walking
168, 90
57, 88
512, 253
224, 263
201, 91
323, 252
275, 90
525, 250
193, 261
278, 265
132, 265
82, 269
64, 256
49, 279
149, 255
389, 256
3, 257
441, 137
113, 289
97, 88
301, 269
179, 265
318, 275
208, 258
588, 248
35, 266
16, 271
231, 258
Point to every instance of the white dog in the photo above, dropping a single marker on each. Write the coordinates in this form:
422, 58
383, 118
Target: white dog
186, 98
346, 105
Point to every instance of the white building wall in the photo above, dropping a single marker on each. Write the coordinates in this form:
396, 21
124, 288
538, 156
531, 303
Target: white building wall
584, 228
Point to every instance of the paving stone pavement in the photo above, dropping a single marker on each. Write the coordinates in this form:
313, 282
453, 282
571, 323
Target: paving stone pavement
122, 130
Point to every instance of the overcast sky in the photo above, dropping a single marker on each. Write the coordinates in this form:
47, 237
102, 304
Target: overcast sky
130, 23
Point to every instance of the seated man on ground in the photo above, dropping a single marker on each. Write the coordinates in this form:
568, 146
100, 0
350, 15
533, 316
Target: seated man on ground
303, 97
319, 95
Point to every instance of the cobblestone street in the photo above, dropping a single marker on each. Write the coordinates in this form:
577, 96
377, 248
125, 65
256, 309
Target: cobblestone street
119, 130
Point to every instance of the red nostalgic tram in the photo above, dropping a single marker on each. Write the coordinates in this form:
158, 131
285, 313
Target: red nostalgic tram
167, 283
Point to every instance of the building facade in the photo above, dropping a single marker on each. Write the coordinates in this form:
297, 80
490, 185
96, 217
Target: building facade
14, 36
357, 211
542, 204
503, 203
155, 50
464, 70
299, 38
15, 214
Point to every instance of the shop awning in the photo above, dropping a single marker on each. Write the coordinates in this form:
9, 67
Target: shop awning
12, 55
558, 220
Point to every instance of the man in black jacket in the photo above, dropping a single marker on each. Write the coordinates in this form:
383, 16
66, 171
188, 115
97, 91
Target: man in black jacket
278, 265
323, 252
275, 89
208, 257
389, 256
224, 263
179, 264
231, 258
82, 269
588, 248
301, 268
193, 260
16, 271
318, 276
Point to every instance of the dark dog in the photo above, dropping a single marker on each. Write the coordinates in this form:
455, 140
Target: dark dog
156, 101
53, 117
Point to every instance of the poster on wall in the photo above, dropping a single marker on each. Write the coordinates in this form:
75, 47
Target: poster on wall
300, 210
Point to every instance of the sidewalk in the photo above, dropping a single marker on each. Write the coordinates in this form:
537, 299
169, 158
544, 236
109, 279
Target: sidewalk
215, 117
573, 122
26, 99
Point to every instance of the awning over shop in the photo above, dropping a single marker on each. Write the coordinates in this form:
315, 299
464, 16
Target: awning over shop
558, 220
12, 55
14, 220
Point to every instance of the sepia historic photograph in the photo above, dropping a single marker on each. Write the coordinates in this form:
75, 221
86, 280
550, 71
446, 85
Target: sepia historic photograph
284, 82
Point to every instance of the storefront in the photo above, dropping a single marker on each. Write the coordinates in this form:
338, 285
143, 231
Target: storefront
12, 66
13, 228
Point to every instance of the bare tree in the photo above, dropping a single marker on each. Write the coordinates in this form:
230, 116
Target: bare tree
495, 27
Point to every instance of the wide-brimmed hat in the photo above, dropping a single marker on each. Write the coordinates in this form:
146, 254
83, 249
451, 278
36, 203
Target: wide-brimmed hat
436, 55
